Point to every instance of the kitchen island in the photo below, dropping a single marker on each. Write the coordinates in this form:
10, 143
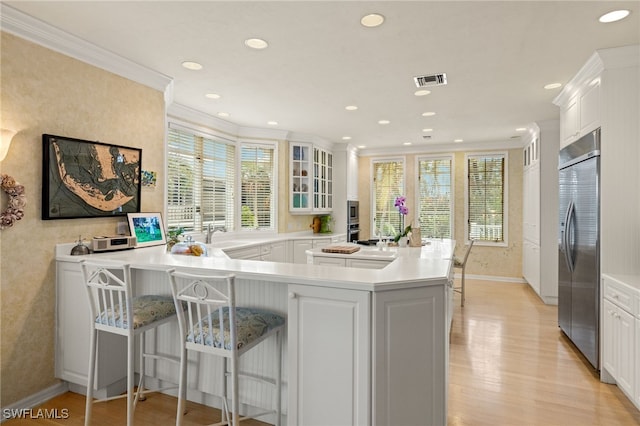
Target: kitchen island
364, 346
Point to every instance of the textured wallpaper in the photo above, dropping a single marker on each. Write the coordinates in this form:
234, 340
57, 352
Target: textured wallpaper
46, 92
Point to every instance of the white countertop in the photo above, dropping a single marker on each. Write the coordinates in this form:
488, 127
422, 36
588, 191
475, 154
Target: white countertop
413, 267
433, 249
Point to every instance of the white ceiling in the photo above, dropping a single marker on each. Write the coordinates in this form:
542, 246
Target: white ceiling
497, 55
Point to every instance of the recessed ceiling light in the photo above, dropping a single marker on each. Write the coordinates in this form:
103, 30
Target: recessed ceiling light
212, 96
458, 140
614, 16
362, 146
190, 65
272, 123
422, 92
428, 114
223, 114
521, 129
256, 43
427, 130
346, 138
406, 143
351, 107
372, 20
384, 122
552, 86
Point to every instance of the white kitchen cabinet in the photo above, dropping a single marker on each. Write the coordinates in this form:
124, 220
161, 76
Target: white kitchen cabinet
328, 354
368, 264
621, 328
300, 248
352, 174
581, 113
310, 179
322, 180
636, 399
72, 338
540, 209
300, 179
327, 261
409, 325
619, 346
247, 253
274, 252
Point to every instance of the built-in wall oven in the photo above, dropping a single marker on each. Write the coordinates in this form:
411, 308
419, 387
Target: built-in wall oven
353, 221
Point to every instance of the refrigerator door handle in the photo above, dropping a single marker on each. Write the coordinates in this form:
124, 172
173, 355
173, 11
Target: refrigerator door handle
569, 226
565, 236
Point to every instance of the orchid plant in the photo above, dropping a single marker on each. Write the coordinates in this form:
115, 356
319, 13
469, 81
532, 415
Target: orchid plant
400, 204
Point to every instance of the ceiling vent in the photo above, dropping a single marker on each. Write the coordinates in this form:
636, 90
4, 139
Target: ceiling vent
430, 80
426, 137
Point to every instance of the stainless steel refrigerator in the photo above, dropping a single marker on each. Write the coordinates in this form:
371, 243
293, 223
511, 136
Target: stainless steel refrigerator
579, 245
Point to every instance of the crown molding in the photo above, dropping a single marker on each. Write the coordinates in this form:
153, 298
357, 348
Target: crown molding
24, 26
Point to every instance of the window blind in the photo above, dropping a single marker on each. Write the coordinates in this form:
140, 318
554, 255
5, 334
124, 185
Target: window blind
486, 197
258, 174
200, 181
388, 183
435, 203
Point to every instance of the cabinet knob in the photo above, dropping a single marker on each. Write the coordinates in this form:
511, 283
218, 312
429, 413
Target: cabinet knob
292, 295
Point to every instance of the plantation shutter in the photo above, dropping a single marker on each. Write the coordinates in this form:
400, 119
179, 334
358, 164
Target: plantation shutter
200, 181
388, 183
182, 175
258, 204
486, 197
435, 202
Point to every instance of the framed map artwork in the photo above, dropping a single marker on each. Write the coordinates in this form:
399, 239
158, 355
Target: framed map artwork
83, 179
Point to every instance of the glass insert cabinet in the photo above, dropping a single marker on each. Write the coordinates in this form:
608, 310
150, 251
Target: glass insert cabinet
310, 179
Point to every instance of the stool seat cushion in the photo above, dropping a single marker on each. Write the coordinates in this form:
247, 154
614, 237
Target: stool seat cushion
251, 323
146, 310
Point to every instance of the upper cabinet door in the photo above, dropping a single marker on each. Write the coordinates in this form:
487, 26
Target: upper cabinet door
300, 177
310, 179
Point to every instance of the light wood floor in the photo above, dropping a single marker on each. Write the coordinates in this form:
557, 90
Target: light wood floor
509, 365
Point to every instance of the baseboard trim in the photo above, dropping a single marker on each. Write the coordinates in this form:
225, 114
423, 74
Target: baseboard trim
492, 278
37, 398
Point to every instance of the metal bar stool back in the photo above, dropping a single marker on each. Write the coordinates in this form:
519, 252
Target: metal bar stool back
113, 309
211, 323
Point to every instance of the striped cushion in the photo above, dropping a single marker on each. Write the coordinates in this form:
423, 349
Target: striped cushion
146, 309
251, 324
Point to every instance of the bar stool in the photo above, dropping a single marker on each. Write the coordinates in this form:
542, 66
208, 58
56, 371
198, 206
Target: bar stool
462, 264
213, 324
111, 305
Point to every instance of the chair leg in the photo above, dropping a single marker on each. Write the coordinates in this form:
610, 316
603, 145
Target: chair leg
462, 290
182, 386
140, 396
279, 378
130, 377
225, 397
235, 405
90, 376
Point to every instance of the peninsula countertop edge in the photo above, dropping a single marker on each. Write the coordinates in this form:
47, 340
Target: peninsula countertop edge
412, 267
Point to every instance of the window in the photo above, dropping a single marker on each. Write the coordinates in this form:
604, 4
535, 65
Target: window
486, 198
258, 186
388, 183
200, 181
435, 201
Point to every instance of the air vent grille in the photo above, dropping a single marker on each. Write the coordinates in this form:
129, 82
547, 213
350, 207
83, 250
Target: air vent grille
430, 80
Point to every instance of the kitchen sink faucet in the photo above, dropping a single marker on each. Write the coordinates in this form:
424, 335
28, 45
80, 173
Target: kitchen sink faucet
211, 231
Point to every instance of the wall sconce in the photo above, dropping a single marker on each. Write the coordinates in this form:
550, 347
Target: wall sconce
6, 137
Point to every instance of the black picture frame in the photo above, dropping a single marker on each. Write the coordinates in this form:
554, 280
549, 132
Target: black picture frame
84, 179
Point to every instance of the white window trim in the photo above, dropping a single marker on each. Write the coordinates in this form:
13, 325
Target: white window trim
238, 197
505, 183
207, 132
449, 156
372, 207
